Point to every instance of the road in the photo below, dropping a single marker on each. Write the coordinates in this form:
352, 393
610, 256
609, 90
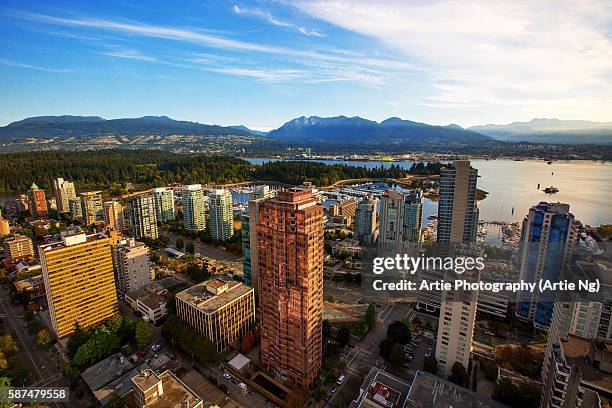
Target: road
43, 365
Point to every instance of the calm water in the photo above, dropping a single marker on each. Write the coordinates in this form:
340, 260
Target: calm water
585, 185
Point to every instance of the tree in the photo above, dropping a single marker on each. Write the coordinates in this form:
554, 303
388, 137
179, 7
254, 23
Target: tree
179, 243
396, 354
343, 336
326, 328
78, 337
385, 348
430, 364
370, 316
189, 248
143, 334
43, 337
458, 374
331, 298
417, 321
399, 332
115, 401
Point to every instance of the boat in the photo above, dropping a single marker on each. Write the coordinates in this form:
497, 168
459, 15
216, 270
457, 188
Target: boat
551, 190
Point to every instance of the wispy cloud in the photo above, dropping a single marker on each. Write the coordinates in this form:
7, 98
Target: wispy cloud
269, 75
11, 63
519, 55
129, 54
267, 16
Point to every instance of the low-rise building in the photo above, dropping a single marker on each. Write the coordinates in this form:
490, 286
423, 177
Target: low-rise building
381, 390
19, 246
222, 310
150, 300
160, 391
347, 246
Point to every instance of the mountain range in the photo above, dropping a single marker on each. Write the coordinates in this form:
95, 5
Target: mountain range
342, 130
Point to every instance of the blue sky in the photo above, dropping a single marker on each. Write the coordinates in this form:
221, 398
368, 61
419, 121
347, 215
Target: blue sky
261, 63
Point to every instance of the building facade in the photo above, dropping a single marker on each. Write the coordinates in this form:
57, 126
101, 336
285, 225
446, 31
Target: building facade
220, 217
64, 191
194, 217
113, 215
79, 281
457, 207
142, 220
19, 246
38, 202
366, 222
222, 311
413, 215
164, 204
391, 218
92, 209
261, 192
290, 284
131, 260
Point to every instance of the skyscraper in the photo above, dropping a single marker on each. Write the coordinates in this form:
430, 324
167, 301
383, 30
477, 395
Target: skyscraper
547, 242
193, 208
290, 284
246, 248
38, 202
131, 259
113, 215
141, 216
413, 214
457, 209
365, 220
164, 204
79, 281
92, 209
64, 191
391, 218
220, 217
76, 209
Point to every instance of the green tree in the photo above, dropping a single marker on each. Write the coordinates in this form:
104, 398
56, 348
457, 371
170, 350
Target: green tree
179, 243
43, 337
326, 328
430, 364
371, 316
458, 374
399, 332
143, 334
396, 354
189, 248
78, 337
343, 336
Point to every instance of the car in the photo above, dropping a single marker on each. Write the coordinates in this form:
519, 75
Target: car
251, 393
340, 380
333, 389
236, 382
156, 347
227, 376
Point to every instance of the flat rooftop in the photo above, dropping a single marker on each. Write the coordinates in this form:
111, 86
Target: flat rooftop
200, 297
576, 352
429, 391
106, 371
155, 292
176, 393
383, 390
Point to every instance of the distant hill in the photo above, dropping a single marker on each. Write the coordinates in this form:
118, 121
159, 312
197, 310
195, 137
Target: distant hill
356, 130
94, 126
550, 131
251, 131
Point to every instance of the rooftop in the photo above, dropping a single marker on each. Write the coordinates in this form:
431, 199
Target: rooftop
176, 393
383, 390
106, 371
578, 351
202, 298
155, 292
429, 391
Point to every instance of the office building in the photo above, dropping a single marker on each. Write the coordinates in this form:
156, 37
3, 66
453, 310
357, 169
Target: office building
38, 202
151, 300
141, 217
92, 209
5, 227
19, 246
164, 204
220, 217
253, 263
366, 223
391, 218
64, 191
79, 281
457, 207
76, 210
290, 284
113, 215
261, 192
580, 373
246, 248
221, 310
547, 242
150, 390
131, 261
413, 215
381, 389
194, 218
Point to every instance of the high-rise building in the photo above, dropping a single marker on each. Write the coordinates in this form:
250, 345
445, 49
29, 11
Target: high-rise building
547, 243
391, 218
64, 191
194, 218
457, 207
19, 246
413, 215
245, 236
220, 217
261, 192
253, 259
141, 217
38, 202
221, 310
79, 281
365, 220
131, 260
290, 284
113, 215
5, 227
76, 210
164, 204
92, 209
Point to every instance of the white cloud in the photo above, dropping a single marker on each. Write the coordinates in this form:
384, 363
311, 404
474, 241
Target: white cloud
11, 63
538, 58
129, 54
267, 16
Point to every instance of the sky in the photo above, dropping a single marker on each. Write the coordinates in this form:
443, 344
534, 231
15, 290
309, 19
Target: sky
261, 63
